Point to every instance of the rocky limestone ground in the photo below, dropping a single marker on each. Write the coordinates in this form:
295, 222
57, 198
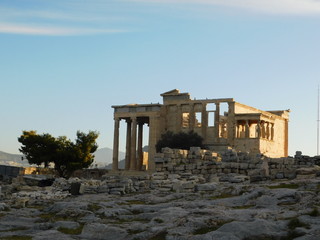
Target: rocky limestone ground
279, 209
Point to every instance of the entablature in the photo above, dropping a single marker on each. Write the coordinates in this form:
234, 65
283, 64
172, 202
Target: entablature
137, 108
255, 117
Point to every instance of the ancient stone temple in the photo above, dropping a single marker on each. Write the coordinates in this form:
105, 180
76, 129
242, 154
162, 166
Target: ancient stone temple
241, 127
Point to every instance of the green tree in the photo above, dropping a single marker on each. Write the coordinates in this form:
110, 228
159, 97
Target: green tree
181, 140
66, 155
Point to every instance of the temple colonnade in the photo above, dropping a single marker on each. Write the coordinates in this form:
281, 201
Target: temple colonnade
134, 141
255, 129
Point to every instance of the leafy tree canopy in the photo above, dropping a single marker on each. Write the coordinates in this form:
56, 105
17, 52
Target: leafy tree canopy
181, 140
67, 156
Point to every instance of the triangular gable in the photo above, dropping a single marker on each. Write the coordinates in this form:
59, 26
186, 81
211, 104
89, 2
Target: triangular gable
170, 93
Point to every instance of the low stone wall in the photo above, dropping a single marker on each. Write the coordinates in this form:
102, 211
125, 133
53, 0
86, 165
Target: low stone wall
195, 170
198, 161
8, 172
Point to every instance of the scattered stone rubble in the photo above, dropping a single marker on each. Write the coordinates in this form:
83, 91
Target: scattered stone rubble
230, 196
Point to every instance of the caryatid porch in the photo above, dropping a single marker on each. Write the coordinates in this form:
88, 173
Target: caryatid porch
263, 132
135, 117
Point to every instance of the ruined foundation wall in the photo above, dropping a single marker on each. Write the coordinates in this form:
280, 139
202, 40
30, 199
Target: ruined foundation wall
198, 161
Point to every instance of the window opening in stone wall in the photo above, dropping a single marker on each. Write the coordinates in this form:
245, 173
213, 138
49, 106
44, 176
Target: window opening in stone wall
211, 107
185, 120
198, 119
145, 146
224, 109
210, 119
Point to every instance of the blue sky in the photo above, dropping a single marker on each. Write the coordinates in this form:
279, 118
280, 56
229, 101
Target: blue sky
64, 63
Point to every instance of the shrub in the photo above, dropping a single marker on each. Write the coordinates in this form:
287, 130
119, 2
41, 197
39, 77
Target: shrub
181, 140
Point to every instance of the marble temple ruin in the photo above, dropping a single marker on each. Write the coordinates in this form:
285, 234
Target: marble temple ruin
240, 127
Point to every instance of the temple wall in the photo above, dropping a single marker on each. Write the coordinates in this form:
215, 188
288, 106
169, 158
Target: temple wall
244, 128
251, 145
276, 147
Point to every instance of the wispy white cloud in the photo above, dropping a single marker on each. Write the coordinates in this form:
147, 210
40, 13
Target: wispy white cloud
51, 30
82, 17
44, 14
62, 18
297, 7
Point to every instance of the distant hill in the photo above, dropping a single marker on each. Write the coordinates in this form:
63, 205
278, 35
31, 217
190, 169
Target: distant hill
121, 164
13, 160
103, 157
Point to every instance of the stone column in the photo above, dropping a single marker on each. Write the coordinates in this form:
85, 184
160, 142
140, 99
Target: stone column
231, 124
204, 122
178, 118
140, 153
115, 159
128, 147
268, 131
133, 146
259, 129
242, 130
263, 129
237, 130
217, 123
247, 129
192, 117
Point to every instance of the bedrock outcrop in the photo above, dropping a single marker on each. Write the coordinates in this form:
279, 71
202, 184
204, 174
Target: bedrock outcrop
161, 206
